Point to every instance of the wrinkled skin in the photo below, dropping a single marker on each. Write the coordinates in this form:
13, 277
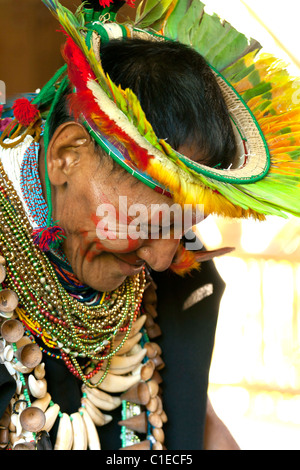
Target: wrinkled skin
81, 181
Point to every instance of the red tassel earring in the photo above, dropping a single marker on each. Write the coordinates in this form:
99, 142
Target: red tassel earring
49, 237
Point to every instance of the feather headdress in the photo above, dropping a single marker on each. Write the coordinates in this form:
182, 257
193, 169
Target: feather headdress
260, 96
264, 177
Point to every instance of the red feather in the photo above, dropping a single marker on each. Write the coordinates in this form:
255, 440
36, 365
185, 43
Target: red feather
84, 103
139, 155
79, 70
107, 3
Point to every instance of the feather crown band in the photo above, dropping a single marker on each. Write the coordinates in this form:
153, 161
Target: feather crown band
259, 94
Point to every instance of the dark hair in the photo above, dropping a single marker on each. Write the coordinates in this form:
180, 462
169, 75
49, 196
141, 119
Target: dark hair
178, 93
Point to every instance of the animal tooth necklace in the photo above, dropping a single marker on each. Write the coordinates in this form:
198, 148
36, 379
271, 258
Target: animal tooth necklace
77, 330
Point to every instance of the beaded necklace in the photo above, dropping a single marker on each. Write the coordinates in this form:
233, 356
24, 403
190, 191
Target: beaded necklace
32, 192
63, 322
80, 330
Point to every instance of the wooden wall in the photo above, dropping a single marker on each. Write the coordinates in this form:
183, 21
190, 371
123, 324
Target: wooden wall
30, 43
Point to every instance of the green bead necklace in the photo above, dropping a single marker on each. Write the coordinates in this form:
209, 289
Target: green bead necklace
80, 331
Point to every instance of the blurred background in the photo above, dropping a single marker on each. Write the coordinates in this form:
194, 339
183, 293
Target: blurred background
255, 374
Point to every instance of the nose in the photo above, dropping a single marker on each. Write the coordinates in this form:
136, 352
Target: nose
158, 254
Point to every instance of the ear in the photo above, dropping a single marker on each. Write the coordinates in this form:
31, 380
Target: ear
65, 152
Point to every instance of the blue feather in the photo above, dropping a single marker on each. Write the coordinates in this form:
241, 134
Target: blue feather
51, 4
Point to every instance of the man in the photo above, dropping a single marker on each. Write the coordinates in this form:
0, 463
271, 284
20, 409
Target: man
159, 129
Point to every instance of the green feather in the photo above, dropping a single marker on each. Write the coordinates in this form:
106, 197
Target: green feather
261, 88
73, 26
150, 13
189, 22
209, 35
239, 69
175, 17
216, 40
235, 45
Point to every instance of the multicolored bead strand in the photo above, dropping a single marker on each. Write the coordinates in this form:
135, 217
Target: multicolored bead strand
31, 186
80, 330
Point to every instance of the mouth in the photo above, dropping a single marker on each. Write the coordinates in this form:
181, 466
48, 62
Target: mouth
129, 264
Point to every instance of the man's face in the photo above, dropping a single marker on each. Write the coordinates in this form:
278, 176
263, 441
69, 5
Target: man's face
112, 221
113, 227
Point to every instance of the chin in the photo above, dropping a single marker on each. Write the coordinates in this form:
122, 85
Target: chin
105, 285
100, 273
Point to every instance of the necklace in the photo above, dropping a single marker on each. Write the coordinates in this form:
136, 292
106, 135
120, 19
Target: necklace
79, 330
32, 413
31, 189
98, 333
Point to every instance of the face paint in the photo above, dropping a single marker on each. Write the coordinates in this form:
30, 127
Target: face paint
110, 236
